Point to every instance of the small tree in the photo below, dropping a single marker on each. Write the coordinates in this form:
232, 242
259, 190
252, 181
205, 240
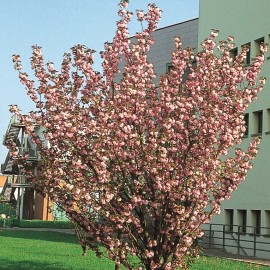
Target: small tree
140, 165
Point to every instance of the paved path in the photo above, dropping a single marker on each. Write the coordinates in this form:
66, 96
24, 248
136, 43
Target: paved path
221, 254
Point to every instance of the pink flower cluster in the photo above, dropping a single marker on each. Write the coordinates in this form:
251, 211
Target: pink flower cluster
137, 164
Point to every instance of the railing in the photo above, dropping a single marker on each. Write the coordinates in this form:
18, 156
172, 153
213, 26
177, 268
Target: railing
16, 181
4, 165
9, 181
31, 153
243, 239
20, 181
13, 121
4, 188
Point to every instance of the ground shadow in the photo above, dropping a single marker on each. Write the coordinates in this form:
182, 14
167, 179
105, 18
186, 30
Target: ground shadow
40, 235
27, 265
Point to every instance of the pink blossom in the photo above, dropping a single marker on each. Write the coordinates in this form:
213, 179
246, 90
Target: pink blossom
138, 164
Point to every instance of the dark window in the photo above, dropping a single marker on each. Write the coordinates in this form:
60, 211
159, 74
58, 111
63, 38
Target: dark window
258, 122
258, 43
256, 221
168, 67
229, 220
186, 73
233, 53
246, 119
268, 121
247, 46
242, 221
267, 222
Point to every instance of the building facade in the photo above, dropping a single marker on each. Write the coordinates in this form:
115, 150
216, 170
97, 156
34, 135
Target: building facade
160, 53
247, 213
16, 190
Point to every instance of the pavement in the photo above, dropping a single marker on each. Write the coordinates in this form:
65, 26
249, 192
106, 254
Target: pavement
215, 252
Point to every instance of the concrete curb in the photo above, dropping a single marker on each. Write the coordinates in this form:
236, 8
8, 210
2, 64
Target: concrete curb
228, 256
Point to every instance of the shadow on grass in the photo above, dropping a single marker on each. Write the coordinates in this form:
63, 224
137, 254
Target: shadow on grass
27, 265
40, 235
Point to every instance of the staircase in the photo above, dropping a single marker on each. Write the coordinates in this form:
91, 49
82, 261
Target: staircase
12, 133
13, 182
17, 190
9, 167
14, 128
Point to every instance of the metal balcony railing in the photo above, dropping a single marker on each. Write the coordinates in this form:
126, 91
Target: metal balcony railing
4, 165
244, 239
13, 129
18, 181
32, 154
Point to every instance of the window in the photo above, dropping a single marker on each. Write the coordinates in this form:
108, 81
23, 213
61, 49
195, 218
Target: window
258, 42
168, 67
267, 222
234, 53
256, 221
268, 122
258, 122
268, 41
246, 119
247, 47
242, 220
229, 220
185, 74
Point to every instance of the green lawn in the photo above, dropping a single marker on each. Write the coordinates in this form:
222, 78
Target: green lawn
56, 251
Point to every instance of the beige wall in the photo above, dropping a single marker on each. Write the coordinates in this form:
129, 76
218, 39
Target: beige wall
247, 21
42, 208
2, 181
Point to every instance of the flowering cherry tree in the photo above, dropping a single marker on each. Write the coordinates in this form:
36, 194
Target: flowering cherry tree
140, 163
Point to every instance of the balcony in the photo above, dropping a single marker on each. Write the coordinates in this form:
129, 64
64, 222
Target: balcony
13, 182
9, 167
13, 129
32, 154
19, 181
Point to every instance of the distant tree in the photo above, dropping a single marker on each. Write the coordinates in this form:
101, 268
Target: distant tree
140, 165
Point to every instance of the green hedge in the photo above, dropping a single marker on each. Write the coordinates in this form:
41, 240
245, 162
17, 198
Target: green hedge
57, 224
8, 222
7, 209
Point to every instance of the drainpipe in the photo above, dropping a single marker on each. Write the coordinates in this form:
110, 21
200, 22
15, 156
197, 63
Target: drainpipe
18, 203
47, 212
21, 204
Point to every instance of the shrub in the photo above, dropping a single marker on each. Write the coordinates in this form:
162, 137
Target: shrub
6, 222
58, 224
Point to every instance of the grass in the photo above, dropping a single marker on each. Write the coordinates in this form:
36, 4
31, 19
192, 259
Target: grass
45, 250
41, 250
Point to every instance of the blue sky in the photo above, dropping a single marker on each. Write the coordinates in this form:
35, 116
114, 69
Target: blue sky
57, 25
